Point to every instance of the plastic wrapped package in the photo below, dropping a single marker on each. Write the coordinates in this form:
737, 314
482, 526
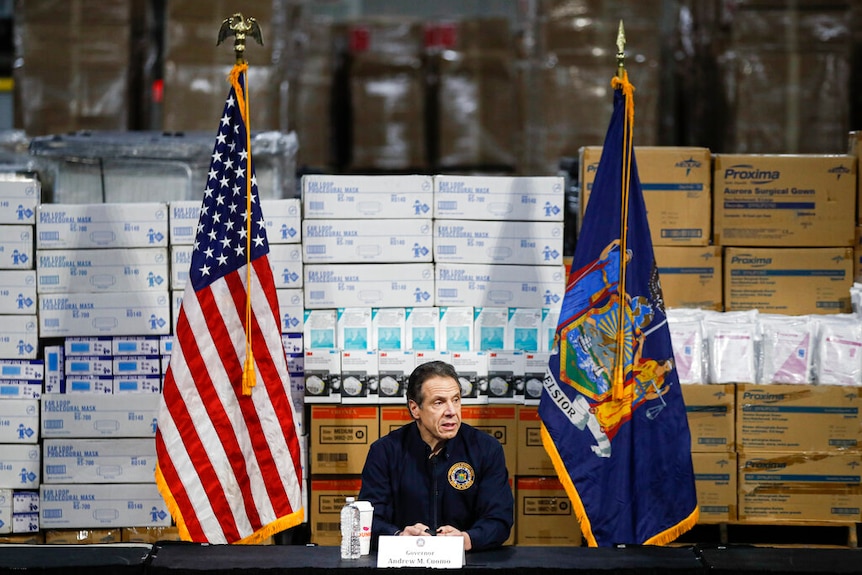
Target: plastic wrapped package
689, 344
732, 344
121, 167
856, 299
838, 357
785, 350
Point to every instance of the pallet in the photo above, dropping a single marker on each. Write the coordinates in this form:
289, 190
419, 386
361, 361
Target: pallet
773, 534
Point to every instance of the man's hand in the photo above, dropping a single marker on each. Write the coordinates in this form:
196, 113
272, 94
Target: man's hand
449, 531
417, 529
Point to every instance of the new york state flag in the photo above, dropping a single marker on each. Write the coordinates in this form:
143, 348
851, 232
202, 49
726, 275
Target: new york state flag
613, 418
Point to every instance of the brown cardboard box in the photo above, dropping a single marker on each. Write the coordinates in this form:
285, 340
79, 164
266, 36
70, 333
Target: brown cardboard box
392, 417
799, 486
715, 477
788, 281
150, 534
544, 514
340, 437
327, 499
856, 150
498, 421
710, 411
784, 200
690, 276
780, 417
532, 457
857, 256
676, 188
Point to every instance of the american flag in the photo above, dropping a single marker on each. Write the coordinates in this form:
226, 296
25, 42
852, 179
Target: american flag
228, 462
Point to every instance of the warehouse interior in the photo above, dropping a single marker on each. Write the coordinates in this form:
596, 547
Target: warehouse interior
108, 109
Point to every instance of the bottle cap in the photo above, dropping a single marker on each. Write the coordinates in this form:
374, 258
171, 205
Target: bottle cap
350, 499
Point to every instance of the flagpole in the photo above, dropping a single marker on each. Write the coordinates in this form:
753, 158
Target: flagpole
240, 27
618, 385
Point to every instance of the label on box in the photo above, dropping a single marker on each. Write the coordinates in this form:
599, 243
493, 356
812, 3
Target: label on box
16, 247
291, 310
115, 460
18, 292
18, 199
499, 285
134, 313
19, 420
20, 466
132, 225
286, 263
478, 242
83, 506
349, 197
366, 241
281, 221
532, 198
20, 336
389, 285
91, 415
102, 270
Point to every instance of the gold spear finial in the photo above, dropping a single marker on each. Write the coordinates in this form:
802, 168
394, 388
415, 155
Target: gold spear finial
239, 27
621, 50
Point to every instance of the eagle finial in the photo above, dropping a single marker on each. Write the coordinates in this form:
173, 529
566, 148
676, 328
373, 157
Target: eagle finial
239, 27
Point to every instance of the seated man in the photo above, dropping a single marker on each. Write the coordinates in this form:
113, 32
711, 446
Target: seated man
437, 475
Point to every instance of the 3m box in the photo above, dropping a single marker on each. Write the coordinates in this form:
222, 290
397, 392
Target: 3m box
102, 270
18, 199
322, 370
788, 281
544, 514
366, 241
715, 476
115, 460
86, 415
20, 336
691, 277
532, 457
505, 376
351, 197
676, 184
354, 328
799, 486
395, 367
328, 496
378, 285
422, 328
472, 369
535, 369
488, 328
320, 328
498, 242
20, 466
784, 200
19, 421
388, 326
18, 292
16, 247
524, 329
77, 506
798, 417
133, 225
481, 285
498, 421
359, 377
457, 325
711, 415
529, 198
341, 436
133, 313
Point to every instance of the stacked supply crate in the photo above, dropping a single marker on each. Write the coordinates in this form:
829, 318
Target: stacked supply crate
20, 463
498, 245
18, 199
102, 271
99, 462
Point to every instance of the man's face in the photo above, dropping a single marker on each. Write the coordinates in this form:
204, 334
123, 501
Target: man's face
439, 416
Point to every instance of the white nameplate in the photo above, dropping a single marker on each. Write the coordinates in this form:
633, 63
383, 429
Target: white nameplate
432, 552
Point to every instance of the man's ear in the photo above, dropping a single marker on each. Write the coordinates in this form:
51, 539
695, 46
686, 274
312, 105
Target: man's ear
414, 408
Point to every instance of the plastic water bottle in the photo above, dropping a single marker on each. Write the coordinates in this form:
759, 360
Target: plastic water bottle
350, 530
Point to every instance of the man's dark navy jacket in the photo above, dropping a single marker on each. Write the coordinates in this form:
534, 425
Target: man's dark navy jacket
466, 485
